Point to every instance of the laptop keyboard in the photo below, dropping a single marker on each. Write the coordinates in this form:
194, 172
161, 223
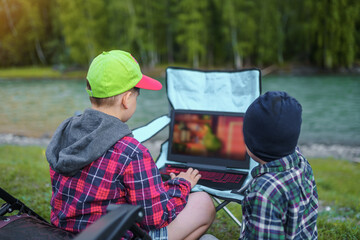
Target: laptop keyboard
211, 178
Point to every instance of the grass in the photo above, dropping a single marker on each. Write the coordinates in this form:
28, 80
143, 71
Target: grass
35, 72
24, 173
40, 72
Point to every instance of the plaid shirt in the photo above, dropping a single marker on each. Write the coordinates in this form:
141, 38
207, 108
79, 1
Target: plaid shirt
126, 173
281, 201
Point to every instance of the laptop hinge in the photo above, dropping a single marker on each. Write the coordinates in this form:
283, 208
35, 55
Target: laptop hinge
204, 166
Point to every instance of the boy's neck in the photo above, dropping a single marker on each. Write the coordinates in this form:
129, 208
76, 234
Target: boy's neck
256, 159
112, 111
123, 106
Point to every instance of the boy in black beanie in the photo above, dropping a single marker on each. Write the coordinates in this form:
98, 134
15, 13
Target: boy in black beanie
281, 201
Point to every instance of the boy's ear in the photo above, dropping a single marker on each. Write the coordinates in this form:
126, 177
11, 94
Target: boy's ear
125, 99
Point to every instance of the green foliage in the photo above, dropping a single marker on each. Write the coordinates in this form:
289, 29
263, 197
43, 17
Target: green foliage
239, 29
269, 32
331, 28
193, 29
27, 32
83, 25
198, 33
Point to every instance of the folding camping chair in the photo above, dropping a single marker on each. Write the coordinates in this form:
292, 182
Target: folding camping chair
27, 224
231, 91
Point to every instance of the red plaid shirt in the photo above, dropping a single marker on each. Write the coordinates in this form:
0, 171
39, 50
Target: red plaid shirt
126, 173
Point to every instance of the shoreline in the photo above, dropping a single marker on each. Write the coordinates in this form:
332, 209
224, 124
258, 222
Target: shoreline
314, 150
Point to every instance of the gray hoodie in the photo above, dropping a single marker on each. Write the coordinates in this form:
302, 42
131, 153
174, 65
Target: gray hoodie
80, 140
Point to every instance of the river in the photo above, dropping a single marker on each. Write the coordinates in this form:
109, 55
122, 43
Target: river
331, 106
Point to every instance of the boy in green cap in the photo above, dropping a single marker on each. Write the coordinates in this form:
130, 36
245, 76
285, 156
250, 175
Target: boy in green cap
94, 161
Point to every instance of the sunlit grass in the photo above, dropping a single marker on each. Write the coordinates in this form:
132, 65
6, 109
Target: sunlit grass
39, 72
24, 173
35, 72
29, 72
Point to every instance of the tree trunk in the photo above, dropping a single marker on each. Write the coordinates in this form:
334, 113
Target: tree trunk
169, 36
9, 18
40, 52
237, 58
195, 60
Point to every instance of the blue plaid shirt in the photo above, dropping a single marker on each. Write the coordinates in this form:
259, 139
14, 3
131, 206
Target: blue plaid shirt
281, 201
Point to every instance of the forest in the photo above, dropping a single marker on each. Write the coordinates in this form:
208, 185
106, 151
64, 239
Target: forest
201, 33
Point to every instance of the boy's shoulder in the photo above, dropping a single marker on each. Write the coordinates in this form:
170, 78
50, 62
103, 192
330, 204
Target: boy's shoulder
283, 182
130, 146
271, 186
269, 180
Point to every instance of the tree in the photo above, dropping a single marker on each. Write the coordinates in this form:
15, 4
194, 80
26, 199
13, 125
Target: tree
121, 28
240, 28
27, 29
331, 30
150, 15
192, 35
83, 29
268, 33
201, 33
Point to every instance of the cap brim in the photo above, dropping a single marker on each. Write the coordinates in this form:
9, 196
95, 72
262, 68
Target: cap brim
149, 83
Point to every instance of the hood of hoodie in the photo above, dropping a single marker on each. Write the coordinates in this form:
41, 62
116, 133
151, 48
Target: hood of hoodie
82, 139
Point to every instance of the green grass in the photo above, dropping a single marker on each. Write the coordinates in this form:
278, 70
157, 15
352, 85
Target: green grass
39, 72
339, 193
35, 72
337, 182
24, 173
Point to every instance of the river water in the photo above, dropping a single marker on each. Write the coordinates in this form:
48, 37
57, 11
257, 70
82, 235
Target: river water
331, 106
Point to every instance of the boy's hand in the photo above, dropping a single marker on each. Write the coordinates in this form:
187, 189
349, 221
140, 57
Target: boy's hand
191, 175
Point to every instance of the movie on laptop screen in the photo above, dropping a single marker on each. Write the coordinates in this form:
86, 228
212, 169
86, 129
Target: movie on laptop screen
214, 138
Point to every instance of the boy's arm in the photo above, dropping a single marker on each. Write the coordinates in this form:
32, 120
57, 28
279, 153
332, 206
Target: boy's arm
261, 219
144, 187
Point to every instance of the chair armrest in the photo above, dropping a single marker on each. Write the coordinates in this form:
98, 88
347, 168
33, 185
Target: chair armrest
114, 224
13, 204
152, 128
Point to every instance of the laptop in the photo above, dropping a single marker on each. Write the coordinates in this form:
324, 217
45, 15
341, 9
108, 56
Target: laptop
211, 142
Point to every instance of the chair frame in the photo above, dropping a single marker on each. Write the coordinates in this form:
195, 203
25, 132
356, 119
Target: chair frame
111, 226
160, 123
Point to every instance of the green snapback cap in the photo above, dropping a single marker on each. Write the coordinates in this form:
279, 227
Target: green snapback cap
114, 72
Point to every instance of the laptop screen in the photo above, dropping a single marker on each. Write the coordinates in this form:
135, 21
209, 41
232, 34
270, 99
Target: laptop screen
206, 137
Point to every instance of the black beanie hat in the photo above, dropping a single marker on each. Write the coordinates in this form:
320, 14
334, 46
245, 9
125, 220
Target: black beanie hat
272, 125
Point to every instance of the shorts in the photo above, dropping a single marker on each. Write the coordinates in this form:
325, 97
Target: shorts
159, 234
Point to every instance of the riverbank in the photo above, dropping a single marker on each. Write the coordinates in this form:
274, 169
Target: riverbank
315, 150
61, 72
33, 72
330, 104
